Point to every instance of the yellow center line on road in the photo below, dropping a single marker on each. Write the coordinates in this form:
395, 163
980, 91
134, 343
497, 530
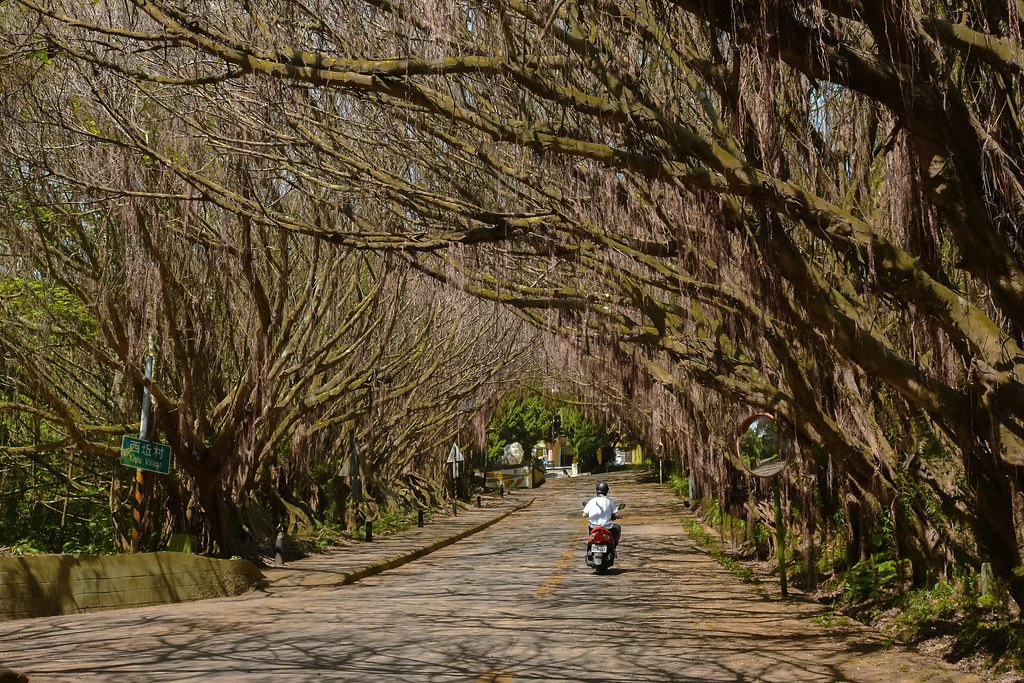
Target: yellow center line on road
554, 580
551, 583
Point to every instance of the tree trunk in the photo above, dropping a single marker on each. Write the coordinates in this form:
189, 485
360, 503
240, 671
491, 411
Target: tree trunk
995, 492
221, 516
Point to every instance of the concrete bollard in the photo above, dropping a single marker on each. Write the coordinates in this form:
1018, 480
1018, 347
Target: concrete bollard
455, 508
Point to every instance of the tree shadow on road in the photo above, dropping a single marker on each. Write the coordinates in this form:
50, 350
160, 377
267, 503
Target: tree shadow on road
614, 571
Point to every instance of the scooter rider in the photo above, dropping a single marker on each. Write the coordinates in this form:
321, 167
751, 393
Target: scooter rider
601, 510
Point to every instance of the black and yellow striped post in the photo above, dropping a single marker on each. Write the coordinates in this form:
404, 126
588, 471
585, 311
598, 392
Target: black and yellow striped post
137, 510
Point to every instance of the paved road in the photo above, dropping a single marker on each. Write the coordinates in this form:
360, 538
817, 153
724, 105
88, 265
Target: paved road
514, 602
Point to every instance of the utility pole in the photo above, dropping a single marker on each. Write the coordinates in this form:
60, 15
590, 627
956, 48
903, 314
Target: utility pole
780, 536
137, 489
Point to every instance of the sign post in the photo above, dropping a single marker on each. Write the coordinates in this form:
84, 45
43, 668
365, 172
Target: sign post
454, 458
353, 472
356, 483
140, 480
143, 456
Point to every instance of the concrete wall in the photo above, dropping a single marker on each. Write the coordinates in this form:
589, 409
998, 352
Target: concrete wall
48, 585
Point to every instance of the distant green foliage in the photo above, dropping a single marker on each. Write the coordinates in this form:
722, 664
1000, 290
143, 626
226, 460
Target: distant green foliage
39, 513
525, 421
584, 436
760, 443
57, 503
530, 420
38, 303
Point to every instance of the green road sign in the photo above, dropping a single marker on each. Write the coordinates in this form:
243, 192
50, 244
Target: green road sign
145, 455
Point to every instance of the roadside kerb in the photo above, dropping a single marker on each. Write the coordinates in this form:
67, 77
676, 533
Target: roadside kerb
278, 577
404, 558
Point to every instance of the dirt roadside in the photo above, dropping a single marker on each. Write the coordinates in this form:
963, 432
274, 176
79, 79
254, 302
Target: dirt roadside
761, 577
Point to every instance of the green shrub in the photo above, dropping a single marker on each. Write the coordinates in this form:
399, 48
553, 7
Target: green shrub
389, 523
25, 547
868, 578
680, 485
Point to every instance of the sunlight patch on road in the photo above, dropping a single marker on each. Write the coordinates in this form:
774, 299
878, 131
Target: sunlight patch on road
495, 677
554, 580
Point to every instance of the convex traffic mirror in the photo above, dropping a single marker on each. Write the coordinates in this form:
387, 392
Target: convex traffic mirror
760, 446
763, 450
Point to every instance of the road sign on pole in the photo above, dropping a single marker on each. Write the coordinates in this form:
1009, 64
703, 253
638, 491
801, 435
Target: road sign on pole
145, 455
131, 454
351, 469
454, 458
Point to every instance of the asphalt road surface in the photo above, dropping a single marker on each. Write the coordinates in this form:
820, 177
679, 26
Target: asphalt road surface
515, 602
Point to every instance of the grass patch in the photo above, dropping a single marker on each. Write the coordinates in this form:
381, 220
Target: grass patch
712, 547
328, 536
1001, 645
390, 523
680, 485
969, 619
832, 620
980, 626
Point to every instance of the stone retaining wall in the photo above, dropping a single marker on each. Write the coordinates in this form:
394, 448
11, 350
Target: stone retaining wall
48, 585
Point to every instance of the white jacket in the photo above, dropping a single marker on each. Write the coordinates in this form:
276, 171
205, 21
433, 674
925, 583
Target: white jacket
600, 510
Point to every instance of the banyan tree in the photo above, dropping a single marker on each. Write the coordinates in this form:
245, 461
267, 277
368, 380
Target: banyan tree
811, 208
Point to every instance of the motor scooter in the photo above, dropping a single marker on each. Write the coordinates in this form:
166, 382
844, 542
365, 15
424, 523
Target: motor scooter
601, 545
